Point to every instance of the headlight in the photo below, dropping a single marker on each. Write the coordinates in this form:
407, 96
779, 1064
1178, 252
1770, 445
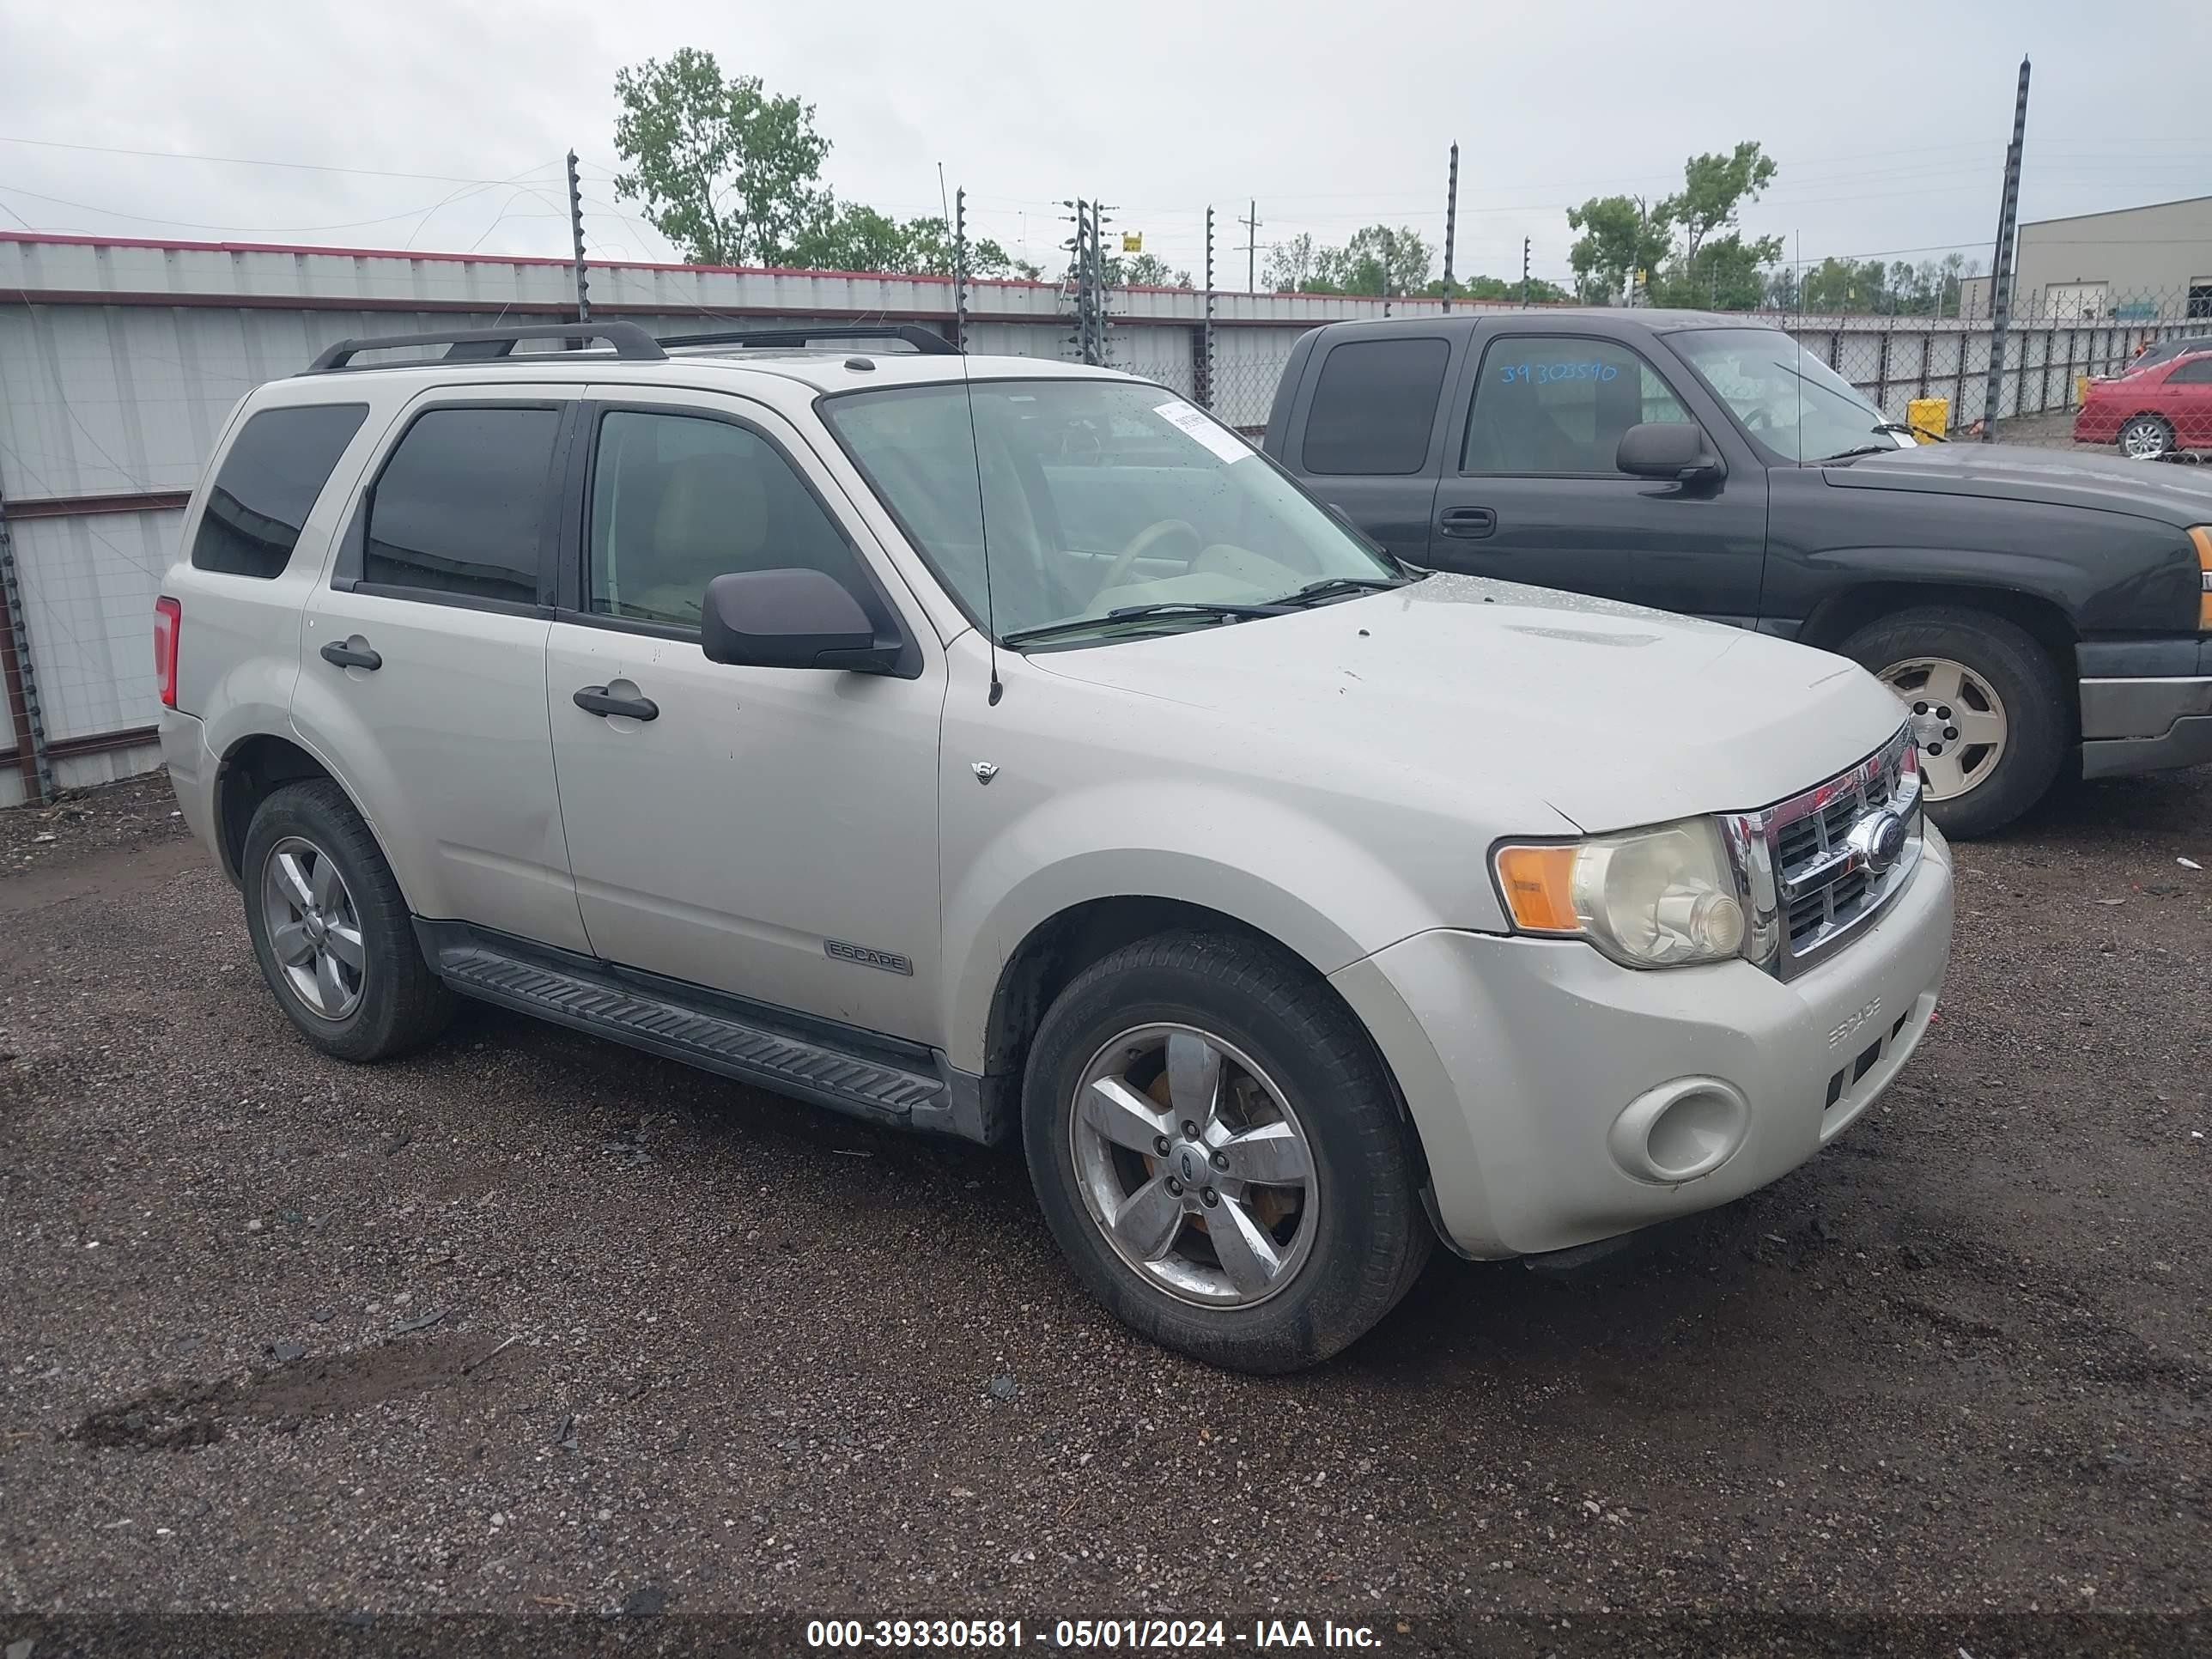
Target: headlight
1651, 898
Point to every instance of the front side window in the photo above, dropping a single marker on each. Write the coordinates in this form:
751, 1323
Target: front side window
267, 485
1790, 402
460, 508
1558, 404
1374, 407
2191, 371
1049, 504
678, 500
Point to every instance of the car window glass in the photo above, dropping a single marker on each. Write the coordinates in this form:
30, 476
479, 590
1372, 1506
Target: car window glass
1547, 403
1374, 407
460, 507
2192, 371
1790, 402
268, 484
678, 500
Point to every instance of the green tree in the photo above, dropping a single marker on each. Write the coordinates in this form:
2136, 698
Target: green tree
1143, 270
1501, 287
1620, 236
1291, 265
728, 174
1715, 188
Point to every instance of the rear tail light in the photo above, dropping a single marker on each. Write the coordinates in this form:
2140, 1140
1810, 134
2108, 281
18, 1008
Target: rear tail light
2203, 537
168, 623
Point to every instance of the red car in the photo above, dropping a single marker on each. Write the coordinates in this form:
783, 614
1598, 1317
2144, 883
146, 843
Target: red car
2151, 411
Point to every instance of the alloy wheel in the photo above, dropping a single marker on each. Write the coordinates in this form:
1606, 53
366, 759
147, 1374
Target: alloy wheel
2145, 439
1194, 1165
314, 928
1958, 720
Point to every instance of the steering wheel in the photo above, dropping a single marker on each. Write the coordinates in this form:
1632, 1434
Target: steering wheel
1757, 417
1140, 544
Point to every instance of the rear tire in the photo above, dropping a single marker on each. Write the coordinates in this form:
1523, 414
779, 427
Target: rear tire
1251, 1274
2146, 437
331, 930
2003, 668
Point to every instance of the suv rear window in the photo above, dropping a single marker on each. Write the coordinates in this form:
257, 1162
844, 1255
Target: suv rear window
267, 485
460, 507
1374, 406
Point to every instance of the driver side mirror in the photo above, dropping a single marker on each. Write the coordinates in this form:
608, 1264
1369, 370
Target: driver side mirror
796, 617
1672, 450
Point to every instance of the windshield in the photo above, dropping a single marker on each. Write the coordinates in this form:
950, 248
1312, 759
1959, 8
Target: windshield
1787, 398
1096, 496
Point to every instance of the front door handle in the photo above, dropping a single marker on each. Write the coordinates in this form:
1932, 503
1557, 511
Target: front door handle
594, 700
1468, 522
346, 654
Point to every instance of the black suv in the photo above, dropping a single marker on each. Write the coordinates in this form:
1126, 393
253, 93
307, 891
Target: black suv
2025, 604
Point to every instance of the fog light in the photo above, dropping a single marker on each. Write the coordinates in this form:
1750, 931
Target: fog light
1679, 1130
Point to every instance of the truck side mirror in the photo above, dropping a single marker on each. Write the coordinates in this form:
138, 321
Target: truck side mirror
1674, 450
795, 618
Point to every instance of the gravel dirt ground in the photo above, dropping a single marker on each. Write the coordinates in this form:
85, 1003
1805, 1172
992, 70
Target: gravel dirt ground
530, 1326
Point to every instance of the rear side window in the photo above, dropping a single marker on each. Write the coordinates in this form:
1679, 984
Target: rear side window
461, 506
2191, 371
267, 485
1374, 406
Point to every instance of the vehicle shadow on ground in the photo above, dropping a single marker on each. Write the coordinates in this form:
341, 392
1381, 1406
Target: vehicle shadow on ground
2110, 812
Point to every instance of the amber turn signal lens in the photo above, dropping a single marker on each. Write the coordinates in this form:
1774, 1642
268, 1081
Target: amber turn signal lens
2203, 537
1539, 887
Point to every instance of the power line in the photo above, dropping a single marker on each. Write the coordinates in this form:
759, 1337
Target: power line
248, 161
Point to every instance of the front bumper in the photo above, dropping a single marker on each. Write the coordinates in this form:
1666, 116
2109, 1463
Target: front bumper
2152, 721
1533, 1067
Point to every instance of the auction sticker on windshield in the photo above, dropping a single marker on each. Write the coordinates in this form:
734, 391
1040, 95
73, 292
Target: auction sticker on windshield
1195, 425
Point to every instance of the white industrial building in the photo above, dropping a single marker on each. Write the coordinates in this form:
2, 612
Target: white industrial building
2137, 265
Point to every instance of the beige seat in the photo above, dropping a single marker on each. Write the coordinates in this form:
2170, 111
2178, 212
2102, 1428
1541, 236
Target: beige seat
713, 518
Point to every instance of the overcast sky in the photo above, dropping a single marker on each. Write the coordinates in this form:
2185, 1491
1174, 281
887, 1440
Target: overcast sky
1889, 122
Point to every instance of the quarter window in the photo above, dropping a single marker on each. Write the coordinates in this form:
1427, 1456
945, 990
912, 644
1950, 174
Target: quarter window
1551, 404
460, 508
678, 500
1374, 407
267, 485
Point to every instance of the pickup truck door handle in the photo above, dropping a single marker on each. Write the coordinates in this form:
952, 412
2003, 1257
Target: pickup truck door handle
594, 700
348, 655
1468, 522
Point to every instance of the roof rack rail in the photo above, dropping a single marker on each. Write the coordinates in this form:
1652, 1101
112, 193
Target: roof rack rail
926, 341
489, 344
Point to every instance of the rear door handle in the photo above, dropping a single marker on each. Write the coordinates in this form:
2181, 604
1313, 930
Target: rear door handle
594, 700
1468, 522
346, 654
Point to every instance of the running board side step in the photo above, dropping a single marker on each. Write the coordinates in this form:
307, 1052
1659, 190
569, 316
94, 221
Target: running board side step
714, 1040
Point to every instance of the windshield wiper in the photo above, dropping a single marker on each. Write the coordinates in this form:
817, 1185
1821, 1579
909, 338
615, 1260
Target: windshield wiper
1903, 430
1862, 449
1127, 613
1332, 588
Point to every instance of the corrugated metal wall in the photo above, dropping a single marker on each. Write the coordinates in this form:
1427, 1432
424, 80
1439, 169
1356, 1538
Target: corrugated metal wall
120, 362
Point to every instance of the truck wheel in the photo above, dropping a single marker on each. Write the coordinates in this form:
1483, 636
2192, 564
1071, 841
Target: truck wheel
2146, 438
1218, 1151
1987, 706
332, 930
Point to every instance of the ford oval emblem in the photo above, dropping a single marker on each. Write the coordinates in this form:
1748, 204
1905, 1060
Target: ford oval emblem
1882, 841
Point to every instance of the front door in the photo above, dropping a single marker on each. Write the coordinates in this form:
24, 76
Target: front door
1530, 492
770, 833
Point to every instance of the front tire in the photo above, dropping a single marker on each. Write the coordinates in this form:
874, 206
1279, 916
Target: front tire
2146, 437
332, 930
1986, 705
1220, 1154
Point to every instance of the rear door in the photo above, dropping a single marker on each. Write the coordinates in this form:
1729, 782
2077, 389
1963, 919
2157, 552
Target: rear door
1372, 431
422, 675
1530, 491
2188, 401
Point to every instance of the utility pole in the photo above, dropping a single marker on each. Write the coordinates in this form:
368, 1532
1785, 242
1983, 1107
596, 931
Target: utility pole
1098, 224
576, 233
1451, 222
1526, 244
2001, 266
1080, 267
1202, 374
1251, 223
960, 270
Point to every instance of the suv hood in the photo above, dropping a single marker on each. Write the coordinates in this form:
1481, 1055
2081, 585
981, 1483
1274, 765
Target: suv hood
2179, 496
1611, 714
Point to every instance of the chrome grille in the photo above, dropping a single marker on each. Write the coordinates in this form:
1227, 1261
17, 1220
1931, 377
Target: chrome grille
1820, 864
